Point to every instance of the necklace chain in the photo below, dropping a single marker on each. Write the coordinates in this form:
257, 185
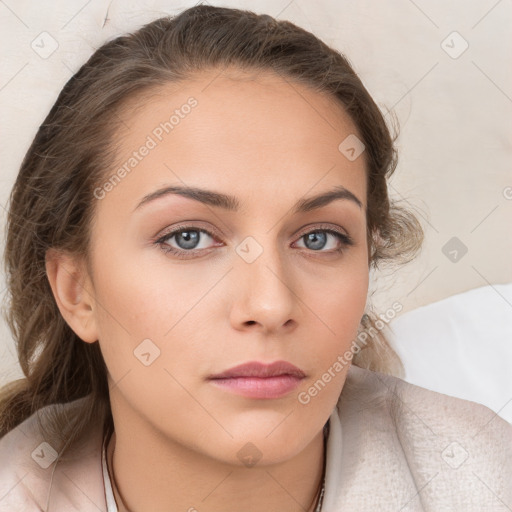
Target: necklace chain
321, 499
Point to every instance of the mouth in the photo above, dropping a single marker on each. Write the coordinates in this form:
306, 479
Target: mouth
259, 387
260, 380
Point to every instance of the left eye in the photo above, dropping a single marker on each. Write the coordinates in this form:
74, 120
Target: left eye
316, 240
188, 238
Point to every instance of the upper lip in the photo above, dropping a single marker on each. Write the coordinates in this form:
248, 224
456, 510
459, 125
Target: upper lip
257, 369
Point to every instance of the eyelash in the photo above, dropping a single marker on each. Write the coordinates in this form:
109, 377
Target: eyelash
345, 240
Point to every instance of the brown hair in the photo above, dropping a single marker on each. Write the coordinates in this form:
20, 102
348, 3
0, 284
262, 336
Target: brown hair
51, 204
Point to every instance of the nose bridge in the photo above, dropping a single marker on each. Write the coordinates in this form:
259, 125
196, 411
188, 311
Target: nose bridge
261, 259
262, 279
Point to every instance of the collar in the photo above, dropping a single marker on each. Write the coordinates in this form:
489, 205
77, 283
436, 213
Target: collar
109, 493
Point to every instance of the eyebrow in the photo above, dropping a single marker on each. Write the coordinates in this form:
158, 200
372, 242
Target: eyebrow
231, 203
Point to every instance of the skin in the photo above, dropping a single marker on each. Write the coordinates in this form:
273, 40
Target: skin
269, 143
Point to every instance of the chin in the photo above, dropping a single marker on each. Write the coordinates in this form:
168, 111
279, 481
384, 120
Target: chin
261, 447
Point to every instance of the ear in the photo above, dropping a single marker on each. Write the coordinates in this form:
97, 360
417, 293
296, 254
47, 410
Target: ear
73, 293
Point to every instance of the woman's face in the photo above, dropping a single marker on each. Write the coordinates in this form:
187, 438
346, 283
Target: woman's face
251, 277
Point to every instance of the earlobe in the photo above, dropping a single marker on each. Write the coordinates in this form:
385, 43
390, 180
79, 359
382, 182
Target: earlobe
74, 299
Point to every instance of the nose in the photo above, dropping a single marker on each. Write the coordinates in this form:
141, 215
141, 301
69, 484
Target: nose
263, 292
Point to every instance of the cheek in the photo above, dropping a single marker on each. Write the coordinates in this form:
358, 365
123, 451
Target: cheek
140, 300
146, 336
340, 305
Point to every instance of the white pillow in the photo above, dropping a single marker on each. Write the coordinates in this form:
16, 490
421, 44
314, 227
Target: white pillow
461, 346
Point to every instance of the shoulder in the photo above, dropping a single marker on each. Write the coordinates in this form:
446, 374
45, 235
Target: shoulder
29, 458
414, 406
458, 453
23, 477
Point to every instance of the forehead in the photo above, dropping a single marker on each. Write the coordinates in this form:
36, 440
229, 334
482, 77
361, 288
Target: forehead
234, 130
265, 103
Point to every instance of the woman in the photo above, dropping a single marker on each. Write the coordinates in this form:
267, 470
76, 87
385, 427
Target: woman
188, 253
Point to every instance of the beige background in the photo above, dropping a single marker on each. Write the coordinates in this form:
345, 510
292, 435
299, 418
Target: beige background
454, 111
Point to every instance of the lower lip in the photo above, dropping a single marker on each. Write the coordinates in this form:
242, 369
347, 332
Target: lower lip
259, 387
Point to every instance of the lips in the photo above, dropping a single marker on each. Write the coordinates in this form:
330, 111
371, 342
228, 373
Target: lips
261, 370
259, 380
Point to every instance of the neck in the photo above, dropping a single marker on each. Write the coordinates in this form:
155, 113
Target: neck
141, 480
